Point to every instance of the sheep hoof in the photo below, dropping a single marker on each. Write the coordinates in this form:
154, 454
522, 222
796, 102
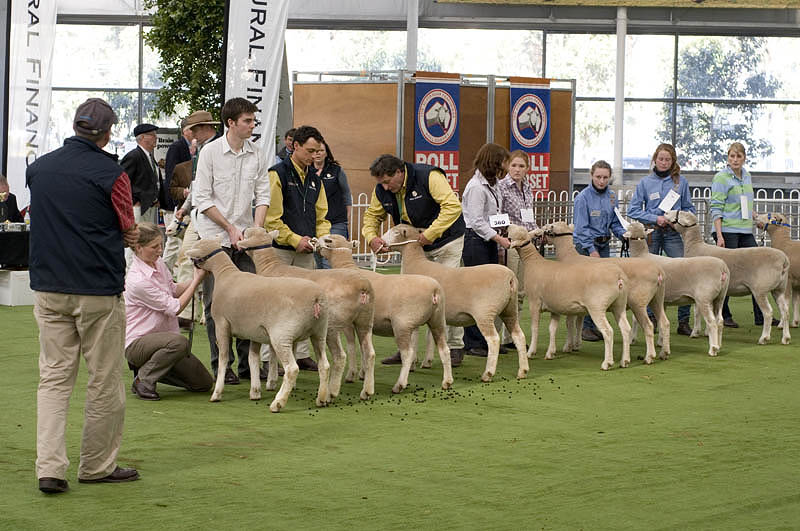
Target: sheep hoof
321, 403
795, 324
397, 388
786, 340
694, 334
486, 377
712, 353
361, 375
624, 363
663, 356
349, 379
447, 384
649, 360
215, 397
425, 365
522, 374
275, 406
606, 365
548, 356
255, 395
364, 395
270, 386
763, 340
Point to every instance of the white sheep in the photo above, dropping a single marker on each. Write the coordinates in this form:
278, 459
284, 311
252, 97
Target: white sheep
264, 310
702, 280
756, 270
475, 295
573, 289
777, 225
351, 306
403, 303
646, 287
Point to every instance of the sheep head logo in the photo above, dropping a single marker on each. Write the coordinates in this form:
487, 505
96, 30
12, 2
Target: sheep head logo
437, 117
529, 120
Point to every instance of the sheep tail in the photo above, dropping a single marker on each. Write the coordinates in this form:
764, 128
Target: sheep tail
364, 297
660, 279
317, 310
724, 276
435, 299
620, 284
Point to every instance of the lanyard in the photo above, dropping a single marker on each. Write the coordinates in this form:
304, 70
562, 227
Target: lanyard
496, 201
300, 185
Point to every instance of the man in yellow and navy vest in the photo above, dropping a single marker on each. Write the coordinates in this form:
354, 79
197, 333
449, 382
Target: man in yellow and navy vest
297, 210
419, 195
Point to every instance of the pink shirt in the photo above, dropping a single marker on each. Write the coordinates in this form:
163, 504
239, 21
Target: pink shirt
150, 302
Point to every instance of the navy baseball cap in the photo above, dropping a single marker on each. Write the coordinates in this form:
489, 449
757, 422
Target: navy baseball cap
94, 116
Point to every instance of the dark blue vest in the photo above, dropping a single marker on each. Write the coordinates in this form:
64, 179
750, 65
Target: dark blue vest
299, 199
337, 211
76, 242
419, 205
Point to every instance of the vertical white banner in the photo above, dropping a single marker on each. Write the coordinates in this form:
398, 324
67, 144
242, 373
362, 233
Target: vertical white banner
255, 35
33, 27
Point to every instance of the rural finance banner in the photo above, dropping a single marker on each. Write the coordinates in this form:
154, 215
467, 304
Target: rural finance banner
255, 34
530, 130
33, 29
436, 138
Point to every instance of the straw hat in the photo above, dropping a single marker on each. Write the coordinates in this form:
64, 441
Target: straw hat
199, 118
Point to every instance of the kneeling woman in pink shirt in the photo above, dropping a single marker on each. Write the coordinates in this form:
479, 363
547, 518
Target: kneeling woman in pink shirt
154, 346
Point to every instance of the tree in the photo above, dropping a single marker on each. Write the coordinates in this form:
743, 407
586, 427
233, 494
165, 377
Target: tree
719, 68
188, 35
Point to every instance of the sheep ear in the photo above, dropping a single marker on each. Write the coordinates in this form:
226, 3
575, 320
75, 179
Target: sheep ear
571, 227
626, 234
273, 233
354, 245
648, 231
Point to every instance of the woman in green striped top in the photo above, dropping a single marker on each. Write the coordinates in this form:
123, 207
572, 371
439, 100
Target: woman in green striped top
732, 214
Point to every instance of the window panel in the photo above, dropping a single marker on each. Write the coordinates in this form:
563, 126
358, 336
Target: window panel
594, 132
646, 126
96, 56
782, 62
590, 59
151, 77
649, 66
324, 50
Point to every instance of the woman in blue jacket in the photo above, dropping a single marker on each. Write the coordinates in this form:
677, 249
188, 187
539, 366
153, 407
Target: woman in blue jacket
663, 189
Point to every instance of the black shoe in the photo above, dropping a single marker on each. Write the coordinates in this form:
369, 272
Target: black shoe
265, 370
502, 350
53, 485
684, 329
456, 357
654, 321
307, 364
143, 390
394, 359
119, 475
477, 351
230, 377
507, 346
730, 323
590, 334
775, 322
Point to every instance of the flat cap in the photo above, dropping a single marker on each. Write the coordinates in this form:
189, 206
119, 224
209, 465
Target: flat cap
143, 128
93, 116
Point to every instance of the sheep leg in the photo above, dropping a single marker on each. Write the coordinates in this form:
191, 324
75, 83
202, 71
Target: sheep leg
282, 350
705, 308
663, 331
254, 359
796, 305
223, 332
493, 343
766, 310
602, 325
338, 357
640, 315
352, 359
365, 337
625, 331
782, 300
324, 396
272, 370
634, 331
535, 307
404, 344
697, 327
518, 337
552, 328
430, 341
439, 331
572, 325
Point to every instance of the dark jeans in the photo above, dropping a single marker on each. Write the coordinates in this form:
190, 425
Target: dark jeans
244, 263
667, 241
736, 240
604, 251
336, 228
477, 251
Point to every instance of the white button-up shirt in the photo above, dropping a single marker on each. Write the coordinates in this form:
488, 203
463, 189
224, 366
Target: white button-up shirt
229, 181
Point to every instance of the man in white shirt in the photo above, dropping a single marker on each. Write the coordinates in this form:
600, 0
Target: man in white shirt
231, 178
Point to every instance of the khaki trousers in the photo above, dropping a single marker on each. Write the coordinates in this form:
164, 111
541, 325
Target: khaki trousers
71, 326
165, 357
184, 270
306, 261
518, 267
172, 246
449, 255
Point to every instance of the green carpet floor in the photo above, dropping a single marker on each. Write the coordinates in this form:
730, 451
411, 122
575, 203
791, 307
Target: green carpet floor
689, 443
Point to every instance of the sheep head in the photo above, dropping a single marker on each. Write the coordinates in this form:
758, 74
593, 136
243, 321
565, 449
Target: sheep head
518, 235
202, 250
335, 242
256, 236
401, 233
764, 221
558, 228
636, 231
680, 220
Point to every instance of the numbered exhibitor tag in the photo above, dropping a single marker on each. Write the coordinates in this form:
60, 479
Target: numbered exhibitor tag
669, 201
745, 207
499, 220
527, 215
623, 221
